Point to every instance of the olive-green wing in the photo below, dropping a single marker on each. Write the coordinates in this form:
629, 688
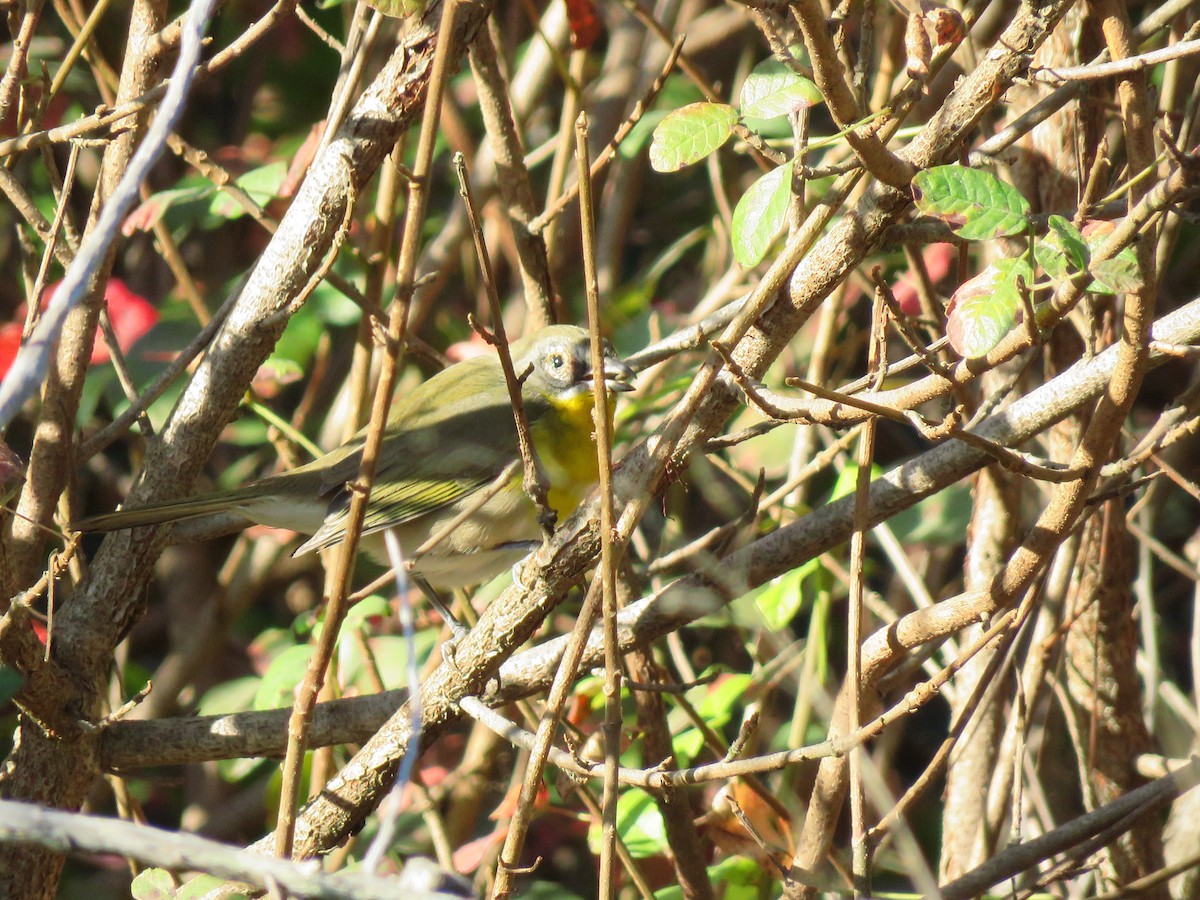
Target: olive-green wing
392, 504
448, 438
458, 431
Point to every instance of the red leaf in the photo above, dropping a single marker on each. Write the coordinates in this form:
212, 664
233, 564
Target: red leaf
144, 216
938, 258
273, 375
948, 23
10, 343
470, 856
584, 23
461, 350
431, 776
981, 285
507, 807
132, 315
580, 710
723, 827
1097, 228
39, 630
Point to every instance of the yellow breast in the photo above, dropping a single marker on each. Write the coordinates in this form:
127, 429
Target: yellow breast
565, 442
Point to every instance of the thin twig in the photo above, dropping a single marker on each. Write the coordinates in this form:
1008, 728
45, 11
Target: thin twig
763, 154
605, 156
510, 855
18, 61
843, 105
513, 180
1125, 66
941, 758
629, 865
300, 721
858, 543
1021, 857
478, 710
61, 218
535, 482
608, 552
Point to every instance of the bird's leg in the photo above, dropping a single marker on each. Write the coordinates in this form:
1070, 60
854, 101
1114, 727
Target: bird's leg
457, 628
516, 576
530, 547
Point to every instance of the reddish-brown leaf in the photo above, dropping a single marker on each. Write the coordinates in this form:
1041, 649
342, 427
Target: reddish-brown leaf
585, 25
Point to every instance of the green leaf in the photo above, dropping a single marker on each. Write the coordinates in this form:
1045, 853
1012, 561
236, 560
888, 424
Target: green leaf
782, 598
232, 696
817, 641
367, 608
715, 704
10, 683
976, 204
737, 874
1118, 275
689, 134
676, 92
940, 520
391, 658
721, 697
547, 890
774, 90
1072, 241
183, 205
210, 887
1050, 256
639, 823
759, 216
152, 884
159, 884
282, 676
741, 878
1063, 252
847, 481
261, 185
334, 307
984, 309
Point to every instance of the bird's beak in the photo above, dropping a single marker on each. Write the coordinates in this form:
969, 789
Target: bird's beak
617, 376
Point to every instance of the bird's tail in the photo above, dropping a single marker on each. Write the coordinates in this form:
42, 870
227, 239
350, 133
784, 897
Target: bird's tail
169, 511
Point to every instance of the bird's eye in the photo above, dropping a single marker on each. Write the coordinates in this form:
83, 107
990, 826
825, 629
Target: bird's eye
557, 360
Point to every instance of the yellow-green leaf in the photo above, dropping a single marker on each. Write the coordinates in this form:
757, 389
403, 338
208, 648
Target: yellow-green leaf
689, 134
976, 204
759, 216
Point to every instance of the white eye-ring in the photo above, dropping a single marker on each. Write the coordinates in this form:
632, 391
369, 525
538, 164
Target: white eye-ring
557, 360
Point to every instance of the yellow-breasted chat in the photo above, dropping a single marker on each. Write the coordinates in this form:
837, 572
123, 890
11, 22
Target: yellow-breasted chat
445, 441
